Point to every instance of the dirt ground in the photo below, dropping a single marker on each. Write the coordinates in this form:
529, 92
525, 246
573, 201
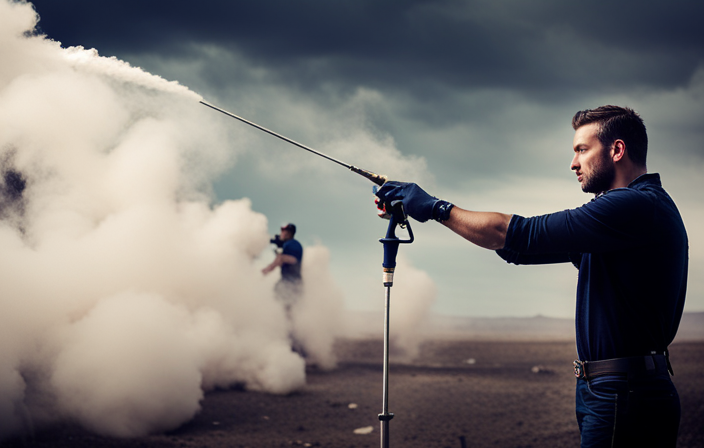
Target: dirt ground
457, 393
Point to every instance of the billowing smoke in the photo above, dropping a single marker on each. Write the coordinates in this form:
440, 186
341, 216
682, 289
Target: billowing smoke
412, 295
319, 312
124, 294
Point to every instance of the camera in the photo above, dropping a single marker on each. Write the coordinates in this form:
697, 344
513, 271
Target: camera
277, 240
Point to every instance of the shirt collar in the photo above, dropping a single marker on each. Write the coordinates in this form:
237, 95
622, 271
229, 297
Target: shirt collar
642, 181
647, 179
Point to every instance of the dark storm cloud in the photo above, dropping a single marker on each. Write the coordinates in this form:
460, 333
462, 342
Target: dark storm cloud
480, 92
427, 48
438, 65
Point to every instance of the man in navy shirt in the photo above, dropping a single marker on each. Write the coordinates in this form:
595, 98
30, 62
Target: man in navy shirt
288, 288
630, 246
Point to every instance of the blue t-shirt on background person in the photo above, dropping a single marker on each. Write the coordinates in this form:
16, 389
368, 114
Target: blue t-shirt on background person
292, 272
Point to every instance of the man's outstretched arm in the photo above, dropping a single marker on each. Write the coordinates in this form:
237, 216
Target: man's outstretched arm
485, 229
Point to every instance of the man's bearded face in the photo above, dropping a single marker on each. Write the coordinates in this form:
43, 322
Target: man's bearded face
600, 175
592, 162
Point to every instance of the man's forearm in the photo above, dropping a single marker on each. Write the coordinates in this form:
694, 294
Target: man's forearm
485, 229
278, 261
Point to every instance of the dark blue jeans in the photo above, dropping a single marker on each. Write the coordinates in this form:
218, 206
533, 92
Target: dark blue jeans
617, 411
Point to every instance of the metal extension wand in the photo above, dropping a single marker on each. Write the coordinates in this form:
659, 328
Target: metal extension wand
377, 179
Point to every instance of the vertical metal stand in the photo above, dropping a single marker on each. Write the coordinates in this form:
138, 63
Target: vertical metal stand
385, 416
390, 243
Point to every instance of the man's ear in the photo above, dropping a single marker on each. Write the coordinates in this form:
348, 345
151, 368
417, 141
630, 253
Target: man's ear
618, 150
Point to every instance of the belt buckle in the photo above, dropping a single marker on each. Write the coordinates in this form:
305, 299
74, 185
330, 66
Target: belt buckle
578, 369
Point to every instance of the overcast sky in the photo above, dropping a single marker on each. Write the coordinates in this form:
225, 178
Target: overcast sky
471, 99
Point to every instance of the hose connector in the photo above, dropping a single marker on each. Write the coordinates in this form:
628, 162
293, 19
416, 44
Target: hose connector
376, 178
389, 276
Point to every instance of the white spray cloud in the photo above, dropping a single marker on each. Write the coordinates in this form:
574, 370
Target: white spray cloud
130, 337
412, 296
319, 313
124, 294
87, 61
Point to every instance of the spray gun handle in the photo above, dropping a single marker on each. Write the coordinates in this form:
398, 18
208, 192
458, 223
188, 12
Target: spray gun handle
391, 241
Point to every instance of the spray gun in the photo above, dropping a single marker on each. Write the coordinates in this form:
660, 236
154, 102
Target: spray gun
397, 218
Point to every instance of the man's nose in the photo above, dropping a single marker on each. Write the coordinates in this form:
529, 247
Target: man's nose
574, 166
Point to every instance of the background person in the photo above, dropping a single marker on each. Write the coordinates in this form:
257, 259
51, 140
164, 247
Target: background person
630, 246
289, 257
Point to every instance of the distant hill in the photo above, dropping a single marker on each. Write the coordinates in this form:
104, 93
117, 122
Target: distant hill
537, 328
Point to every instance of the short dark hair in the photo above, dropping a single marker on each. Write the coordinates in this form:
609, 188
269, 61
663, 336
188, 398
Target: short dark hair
290, 227
617, 122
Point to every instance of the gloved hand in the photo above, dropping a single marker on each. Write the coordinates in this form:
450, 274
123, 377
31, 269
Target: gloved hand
418, 204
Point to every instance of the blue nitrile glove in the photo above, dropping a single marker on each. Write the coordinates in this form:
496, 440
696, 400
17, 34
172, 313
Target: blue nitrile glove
418, 204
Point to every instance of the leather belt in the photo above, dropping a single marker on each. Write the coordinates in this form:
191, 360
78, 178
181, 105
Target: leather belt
655, 362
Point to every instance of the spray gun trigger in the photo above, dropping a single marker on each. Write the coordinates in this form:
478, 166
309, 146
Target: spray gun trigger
399, 213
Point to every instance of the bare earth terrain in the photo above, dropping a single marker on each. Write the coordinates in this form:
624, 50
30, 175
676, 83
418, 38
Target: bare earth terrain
458, 392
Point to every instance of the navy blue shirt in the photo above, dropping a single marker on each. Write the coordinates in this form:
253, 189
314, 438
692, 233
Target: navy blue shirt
630, 246
292, 272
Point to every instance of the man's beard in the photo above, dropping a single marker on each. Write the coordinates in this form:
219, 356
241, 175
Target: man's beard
601, 177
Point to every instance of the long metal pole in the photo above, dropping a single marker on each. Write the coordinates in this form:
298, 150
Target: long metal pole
385, 416
268, 131
376, 178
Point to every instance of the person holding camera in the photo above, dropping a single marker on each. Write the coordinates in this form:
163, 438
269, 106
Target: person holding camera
289, 255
